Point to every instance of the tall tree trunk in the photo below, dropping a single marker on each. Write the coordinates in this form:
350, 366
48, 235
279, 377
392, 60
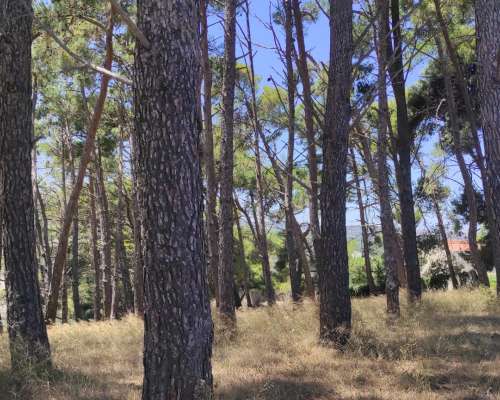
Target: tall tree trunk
260, 220
246, 280
104, 222
444, 238
94, 254
335, 303
488, 50
386, 220
64, 292
364, 227
464, 170
137, 228
404, 143
226, 267
209, 158
47, 249
309, 124
27, 332
75, 263
293, 259
60, 258
178, 327
120, 255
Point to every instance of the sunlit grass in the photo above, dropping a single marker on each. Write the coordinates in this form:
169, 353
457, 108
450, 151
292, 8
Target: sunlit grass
448, 347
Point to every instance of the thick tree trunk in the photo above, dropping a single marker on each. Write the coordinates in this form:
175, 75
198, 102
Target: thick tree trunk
364, 227
293, 259
178, 326
464, 170
209, 158
335, 303
386, 220
404, 144
312, 158
137, 228
488, 50
94, 253
226, 267
104, 222
60, 258
27, 332
120, 255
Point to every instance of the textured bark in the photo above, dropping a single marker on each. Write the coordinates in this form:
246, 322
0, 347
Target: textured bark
60, 258
335, 303
178, 326
94, 253
64, 291
75, 263
464, 170
105, 233
488, 51
120, 253
364, 227
312, 159
27, 332
404, 144
137, 228
226, 267
209, 158
386, 220
293, 260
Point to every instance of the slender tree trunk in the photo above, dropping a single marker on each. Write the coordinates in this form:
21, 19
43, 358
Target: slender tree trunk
386, 220
104, 222
120, 255
209, 158
178, 326
94, 254
335, 303
75, 263
404, 144
293, 259
364, 228
138, 257
226, 267
27, 332
309, 124
464, 170
64, 292
60, 258
488, 51
246, 280
444, 237
47, 249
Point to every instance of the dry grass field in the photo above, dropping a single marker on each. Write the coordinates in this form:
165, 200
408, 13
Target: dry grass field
448, 348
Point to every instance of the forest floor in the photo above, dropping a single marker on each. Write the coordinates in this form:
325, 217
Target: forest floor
448, 348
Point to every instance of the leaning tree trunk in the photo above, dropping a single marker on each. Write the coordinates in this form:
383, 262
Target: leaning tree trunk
27, 332
178, 326
404, 144
335, 303
60, 258
488, 50
226, 267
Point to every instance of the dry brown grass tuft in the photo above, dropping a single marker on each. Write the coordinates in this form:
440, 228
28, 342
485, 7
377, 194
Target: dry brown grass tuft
447, 348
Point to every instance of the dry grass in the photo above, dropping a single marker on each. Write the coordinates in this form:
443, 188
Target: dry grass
448, 348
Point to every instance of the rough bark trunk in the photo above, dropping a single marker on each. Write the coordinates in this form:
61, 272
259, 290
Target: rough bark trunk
226, 267
94, 253
293, 259
60, 258
120, 255
27, 332
312, 158
488, 50
64, 291
209, 158
178, 327
104, 222
464, 170
75, 263
404, 144
364, 228
335, 303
